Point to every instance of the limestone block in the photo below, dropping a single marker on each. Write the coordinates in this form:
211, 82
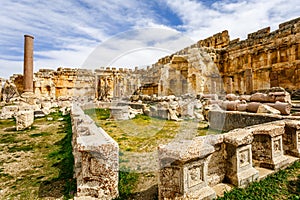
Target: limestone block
239, 169
245, 97
284, 108
8, 112
183, 170
261, 97
242, 107
253, 106
291, 138
96, 158
231, 97
24, 119
119, 113
268, 147
267, 109
230, 105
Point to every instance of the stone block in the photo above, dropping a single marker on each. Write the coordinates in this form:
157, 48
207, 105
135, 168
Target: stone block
239, 169
267, 109
8, 112
183, 170
24, 119
291, 138
96, 158
268, 146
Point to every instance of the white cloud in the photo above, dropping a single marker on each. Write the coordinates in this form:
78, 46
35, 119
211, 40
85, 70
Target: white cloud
67, 31
239, 17
131, 48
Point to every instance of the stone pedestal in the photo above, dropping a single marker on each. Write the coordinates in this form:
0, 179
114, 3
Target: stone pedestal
239, 169
268, 148
29, 97
183, 170
291, 138
119, 113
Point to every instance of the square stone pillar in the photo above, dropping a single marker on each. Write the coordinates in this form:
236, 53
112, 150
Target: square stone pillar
239, 168
291, 138
249, 81
267, 146
183, 170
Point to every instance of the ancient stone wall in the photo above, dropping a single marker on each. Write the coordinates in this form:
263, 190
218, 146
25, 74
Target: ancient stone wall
198, 168
229, 120
96, 157
265, 59
213, 65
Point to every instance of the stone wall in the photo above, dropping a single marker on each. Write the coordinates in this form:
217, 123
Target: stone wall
213, 65
265, 59
229, 120
194, 169
96, 157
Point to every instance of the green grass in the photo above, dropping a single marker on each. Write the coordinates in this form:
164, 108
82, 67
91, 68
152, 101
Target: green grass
127, 182
39, 134
284, 184
38, 161
143, 133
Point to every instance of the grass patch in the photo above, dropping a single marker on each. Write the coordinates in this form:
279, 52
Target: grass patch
8, 138
98, 114
285, 184
127, 182
46, 151
143, 133
19, 148
39, 134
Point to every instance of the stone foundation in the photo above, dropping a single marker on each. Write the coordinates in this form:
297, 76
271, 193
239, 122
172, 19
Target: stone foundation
237, 157
96, 157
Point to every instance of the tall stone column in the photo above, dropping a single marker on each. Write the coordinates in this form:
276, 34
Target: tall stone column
28, 64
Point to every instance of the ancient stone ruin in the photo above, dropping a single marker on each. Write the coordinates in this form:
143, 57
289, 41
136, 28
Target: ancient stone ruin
249, 90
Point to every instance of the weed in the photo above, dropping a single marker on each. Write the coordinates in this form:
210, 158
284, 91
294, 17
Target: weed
39, 134
19, 148
127, 182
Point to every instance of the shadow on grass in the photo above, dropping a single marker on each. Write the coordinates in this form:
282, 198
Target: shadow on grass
64, 184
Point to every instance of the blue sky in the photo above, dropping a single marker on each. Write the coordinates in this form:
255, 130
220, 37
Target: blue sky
68, 32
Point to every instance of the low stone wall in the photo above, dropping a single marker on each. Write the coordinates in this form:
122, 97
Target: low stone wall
96, 157
229, 120
192, 169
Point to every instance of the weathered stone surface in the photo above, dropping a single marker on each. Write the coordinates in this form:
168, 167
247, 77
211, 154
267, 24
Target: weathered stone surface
229, 120
9, 111
183, 170
119, 113
268, 146
253, 106
24, 119
96, 157
238, 137
291, 138
284, 108
231, 97
267, 109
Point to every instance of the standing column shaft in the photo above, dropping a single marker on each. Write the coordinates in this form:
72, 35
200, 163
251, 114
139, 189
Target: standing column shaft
28, 63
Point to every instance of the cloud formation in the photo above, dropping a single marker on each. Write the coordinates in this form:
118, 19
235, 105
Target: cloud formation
67, 32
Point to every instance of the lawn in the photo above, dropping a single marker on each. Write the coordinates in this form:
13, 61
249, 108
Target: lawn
285, 184
37, 163
143, 133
